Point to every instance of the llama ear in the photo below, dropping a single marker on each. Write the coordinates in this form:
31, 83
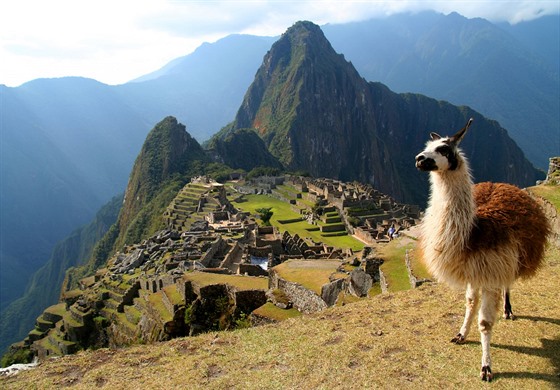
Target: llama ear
434, 136
461, 133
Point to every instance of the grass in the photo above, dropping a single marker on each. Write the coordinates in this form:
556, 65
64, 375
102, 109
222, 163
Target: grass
240, 282
36, 332
59, 309
394, 267
155, 300
549, 192
269, 310
282, 211
71, 321
123, 321
134, 313
46, 343
173, 294
311, 274
391, 341
418, 267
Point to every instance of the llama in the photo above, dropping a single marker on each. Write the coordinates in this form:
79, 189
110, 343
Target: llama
478, 237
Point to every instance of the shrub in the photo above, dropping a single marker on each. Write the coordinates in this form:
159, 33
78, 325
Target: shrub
16, 356
354, 221
243, 321
265, 214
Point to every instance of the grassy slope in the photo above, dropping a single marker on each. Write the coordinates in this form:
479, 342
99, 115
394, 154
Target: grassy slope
397, 340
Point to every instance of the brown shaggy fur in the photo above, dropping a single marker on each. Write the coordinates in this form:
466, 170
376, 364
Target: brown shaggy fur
503, 213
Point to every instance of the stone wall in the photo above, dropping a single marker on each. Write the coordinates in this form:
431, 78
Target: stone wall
306, 301
383, 282
216, 246
553, 217
553, 175
414, 281
231, 257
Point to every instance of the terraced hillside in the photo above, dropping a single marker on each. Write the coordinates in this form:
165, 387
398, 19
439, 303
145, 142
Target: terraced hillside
191, 204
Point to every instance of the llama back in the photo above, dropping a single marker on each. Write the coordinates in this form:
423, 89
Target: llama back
506, 213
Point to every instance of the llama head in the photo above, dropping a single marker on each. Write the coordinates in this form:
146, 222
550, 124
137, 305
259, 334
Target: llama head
442, 153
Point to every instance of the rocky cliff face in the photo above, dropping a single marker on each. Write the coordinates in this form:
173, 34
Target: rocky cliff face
313, 111
316, 113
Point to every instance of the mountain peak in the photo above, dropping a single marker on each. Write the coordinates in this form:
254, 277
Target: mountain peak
304, 29
315, 113
297, 61
302, 39
168, 152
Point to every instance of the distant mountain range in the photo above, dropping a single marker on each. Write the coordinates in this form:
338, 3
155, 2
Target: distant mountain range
470, 62
315, 113
68, 144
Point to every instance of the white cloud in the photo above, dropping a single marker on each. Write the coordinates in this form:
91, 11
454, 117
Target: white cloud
115, 41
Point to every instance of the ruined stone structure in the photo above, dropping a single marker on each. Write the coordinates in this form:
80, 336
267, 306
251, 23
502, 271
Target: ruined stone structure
364, 211
150, 291
553, 175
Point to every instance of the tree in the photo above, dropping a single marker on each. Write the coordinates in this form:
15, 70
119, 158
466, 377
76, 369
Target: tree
265, 213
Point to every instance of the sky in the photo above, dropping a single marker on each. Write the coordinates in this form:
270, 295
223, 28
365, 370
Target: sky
116, 41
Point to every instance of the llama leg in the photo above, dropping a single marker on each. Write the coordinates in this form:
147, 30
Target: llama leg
471, 305
486, 319
508, 314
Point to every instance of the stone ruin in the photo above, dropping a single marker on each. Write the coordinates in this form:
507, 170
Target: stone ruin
366, 212
146, 294
553, 174
359, 277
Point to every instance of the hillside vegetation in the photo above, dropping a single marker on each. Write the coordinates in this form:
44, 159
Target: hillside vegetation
390, 341
395, 340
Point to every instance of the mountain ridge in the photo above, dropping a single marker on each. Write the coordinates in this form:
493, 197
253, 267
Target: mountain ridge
133, 135
316, 114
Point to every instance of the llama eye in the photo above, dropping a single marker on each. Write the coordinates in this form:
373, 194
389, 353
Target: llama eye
444, 150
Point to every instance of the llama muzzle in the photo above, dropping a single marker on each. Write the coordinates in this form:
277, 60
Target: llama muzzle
425, 164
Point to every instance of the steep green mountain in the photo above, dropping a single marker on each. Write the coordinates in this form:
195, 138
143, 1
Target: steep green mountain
467, 62
44, 288
168, 158
241, 149
315, 113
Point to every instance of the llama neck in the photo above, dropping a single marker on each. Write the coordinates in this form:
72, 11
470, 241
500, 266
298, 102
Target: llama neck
451, 211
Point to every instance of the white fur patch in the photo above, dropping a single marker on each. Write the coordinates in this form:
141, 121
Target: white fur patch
441, 161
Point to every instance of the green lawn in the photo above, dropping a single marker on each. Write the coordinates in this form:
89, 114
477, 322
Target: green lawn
269, 310
282, 211
311, 274
240, 282
394, 267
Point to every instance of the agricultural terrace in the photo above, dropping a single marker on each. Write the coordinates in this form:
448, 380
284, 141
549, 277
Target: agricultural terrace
310, 274
282, 211
239, 282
